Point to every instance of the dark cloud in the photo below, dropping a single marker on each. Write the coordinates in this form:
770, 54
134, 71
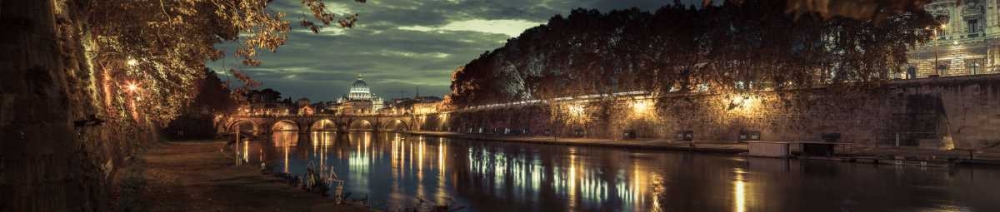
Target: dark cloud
401, 44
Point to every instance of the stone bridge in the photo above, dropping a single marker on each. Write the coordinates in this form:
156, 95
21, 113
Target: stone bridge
305, 124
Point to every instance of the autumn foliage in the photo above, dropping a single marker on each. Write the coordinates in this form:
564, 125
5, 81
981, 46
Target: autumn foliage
159, 48
735, 47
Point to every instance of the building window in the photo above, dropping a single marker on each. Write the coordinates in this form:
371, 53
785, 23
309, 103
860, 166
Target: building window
974, 66
973, 26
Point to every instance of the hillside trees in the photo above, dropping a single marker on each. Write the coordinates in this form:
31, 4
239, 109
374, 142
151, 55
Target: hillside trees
734, 47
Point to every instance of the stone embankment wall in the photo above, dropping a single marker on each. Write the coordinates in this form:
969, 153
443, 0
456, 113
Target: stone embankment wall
939, 113
61, 139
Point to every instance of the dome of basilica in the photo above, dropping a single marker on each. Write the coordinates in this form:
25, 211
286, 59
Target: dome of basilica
359, 90
360, 99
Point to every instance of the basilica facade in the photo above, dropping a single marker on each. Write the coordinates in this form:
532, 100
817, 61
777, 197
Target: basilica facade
360, 100
965, 44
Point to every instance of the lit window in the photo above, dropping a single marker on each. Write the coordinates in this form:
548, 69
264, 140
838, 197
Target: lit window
973, 68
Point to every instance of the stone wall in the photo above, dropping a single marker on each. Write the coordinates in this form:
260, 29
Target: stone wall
60, 145
941, 113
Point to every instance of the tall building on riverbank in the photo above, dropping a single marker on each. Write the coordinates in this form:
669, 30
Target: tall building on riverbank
359, 100
966, 44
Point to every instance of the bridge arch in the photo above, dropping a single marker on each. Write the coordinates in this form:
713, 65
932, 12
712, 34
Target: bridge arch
396, 125
323, 125
243, 125
285, 125
361, 125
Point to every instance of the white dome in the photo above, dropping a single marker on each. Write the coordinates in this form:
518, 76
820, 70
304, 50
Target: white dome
359, 90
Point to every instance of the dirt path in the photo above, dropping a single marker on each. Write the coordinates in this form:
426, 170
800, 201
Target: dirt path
195, 176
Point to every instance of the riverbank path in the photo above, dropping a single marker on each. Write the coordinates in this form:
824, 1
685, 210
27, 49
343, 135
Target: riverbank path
196, 176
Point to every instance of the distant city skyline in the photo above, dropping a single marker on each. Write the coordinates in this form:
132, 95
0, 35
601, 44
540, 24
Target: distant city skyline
400, 45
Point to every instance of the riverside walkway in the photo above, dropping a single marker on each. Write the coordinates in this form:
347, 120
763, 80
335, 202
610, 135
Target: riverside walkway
195, 176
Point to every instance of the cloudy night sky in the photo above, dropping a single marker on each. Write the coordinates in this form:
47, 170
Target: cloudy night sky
399, 45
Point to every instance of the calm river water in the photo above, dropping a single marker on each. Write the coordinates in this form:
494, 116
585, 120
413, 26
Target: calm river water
393, 170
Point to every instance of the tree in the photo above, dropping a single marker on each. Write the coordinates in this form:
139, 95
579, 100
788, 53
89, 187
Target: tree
737, 47
92, 80
212, 103
161, 46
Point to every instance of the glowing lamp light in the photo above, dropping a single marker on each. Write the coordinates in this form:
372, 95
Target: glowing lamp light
131, 87
739, 99
642, 106
742, 103
575, 110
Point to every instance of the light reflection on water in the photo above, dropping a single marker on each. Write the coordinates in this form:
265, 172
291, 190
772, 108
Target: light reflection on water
393, 170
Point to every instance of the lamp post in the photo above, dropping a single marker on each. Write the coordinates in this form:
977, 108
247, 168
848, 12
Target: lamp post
937, 44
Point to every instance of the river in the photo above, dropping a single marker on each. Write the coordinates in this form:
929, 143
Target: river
396, 171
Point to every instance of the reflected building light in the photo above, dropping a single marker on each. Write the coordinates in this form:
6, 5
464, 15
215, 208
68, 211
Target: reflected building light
396, 149
246, 151
329, 138
739, 191
536, 176
322, 154
499, 170
572, 179
367, 139
517, 172
657, 189
420, 158
359, 166
316, 140
630, 189
420, 169
285, 147
473, 163
441, 192
442, 152
237, 151
638, 181
409, 153
592, 188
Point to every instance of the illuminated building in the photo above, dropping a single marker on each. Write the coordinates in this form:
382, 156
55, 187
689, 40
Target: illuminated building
965, 44
359, 100
305, 108
415, 105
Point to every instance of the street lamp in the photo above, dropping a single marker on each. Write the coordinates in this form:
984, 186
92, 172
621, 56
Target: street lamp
937, 44
131, 87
